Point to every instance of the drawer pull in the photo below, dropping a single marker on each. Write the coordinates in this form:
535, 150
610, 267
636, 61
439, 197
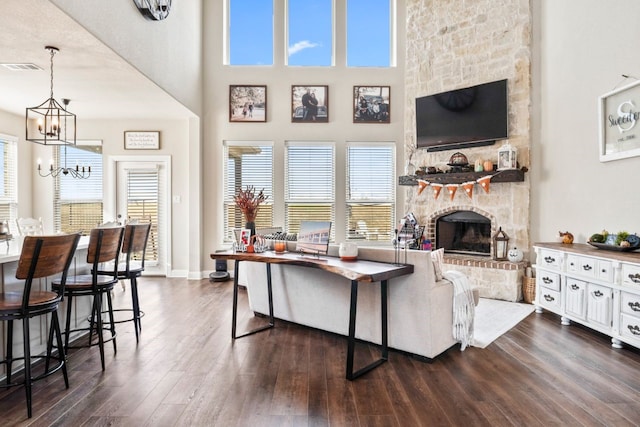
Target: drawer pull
635, 278
549, 298
597, 294
635, 306
635, 330
547, 280
575, 287
604, 270
571, 264
587, 267
549, 260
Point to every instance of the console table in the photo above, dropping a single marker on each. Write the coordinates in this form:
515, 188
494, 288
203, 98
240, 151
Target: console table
355, 271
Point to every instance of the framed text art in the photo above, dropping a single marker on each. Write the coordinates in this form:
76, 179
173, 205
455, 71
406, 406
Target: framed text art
141, 140
371, 104
619, 123
310, 104
247, 103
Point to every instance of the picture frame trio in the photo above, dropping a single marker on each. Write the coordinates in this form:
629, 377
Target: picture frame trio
309, 104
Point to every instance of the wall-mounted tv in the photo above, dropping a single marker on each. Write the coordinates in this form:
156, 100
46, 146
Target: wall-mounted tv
313, 237
467, 117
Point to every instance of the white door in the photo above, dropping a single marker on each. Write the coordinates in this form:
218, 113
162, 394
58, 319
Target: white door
141, 193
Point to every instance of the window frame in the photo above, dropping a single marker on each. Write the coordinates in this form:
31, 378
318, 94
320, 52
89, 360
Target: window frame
9, 199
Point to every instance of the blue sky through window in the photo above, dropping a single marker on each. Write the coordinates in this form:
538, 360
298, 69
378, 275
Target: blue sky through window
251, 32
310, 32
368, 33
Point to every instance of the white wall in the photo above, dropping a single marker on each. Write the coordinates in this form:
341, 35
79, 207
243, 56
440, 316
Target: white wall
278, 127
583, 48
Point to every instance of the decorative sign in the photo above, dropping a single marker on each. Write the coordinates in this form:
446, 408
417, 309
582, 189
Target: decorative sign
619, 123
141, 140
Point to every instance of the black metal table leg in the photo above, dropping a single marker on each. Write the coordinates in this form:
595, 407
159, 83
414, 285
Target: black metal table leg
236, 270
352, 331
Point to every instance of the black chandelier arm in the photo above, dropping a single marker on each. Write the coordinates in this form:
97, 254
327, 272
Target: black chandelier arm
77, 172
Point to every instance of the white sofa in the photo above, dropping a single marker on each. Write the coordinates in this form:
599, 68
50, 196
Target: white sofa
420, 309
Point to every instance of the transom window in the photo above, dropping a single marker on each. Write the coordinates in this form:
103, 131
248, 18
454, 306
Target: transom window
369, 33
310, 32
247, 164
250, 26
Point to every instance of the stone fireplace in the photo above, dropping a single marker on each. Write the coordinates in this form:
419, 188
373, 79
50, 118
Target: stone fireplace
464, 232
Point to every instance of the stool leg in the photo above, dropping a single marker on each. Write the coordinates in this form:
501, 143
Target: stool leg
47, 359
9, 352
61, 351
112, 321
68, 323
97, 308
136, 307
27, 362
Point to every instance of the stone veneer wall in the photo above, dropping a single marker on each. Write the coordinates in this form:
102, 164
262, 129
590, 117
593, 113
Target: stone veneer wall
451, 45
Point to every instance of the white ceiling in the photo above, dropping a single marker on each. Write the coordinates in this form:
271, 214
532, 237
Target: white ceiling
99, 83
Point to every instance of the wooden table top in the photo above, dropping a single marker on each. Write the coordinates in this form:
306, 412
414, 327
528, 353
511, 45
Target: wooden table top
360, 270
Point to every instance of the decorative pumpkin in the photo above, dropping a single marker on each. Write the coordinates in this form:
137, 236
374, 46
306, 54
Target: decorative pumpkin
567, 238
488, 165
515, 255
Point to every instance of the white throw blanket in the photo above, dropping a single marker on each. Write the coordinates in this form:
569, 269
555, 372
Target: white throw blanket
463, 308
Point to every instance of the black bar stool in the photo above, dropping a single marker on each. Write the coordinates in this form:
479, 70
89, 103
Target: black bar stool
41, 256
104, 247
134, 249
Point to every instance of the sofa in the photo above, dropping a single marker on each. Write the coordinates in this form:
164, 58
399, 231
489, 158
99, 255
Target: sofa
419, 307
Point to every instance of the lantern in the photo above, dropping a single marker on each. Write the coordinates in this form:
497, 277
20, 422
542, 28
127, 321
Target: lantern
507, 157
500, 245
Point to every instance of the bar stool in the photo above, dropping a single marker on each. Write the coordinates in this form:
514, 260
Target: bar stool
41, 256
104, 247
134, 249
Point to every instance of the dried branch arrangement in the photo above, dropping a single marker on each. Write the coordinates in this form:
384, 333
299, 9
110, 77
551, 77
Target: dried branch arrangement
248, 201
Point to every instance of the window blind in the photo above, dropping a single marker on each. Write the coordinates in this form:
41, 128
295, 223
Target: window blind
143, 202
247, 163
8, 181
78, 202
309, 184
370, 191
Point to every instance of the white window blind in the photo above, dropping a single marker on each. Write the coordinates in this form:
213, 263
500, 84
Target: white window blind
309, 183
370, 191
78, 202
143, 201
8, 181
247, 163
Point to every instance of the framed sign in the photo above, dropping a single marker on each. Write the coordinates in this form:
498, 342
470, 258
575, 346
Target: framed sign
619, 123
142, 140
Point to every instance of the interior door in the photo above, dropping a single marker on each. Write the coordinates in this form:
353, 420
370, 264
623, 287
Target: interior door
141, 195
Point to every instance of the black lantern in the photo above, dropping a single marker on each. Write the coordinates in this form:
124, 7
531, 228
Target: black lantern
500, 245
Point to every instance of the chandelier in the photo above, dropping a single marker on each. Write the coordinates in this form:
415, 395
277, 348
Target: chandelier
56, 126
154, 10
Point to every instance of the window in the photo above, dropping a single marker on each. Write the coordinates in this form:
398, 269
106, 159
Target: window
8, 182
369, 33
78, 202
143, 203
310, 32
370, 191
250, 32
309, 184
247, 163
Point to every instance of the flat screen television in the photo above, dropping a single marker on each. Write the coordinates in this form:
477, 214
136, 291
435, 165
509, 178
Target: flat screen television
313, 237
467, 117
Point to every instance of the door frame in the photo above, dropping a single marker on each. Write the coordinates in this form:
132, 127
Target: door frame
110, 200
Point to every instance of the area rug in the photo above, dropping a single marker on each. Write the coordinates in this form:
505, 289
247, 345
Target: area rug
495, 317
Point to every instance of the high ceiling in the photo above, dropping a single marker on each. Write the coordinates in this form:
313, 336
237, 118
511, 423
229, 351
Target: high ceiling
99, 83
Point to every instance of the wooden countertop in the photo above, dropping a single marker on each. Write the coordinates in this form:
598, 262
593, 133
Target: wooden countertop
359, 270
586, 249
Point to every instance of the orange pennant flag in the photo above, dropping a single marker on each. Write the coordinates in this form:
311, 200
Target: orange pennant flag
436, 190
484, 182
422, 184
468, 188
452, 190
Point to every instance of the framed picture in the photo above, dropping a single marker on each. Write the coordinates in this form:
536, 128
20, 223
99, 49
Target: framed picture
371, 104
141, 140
310, 104
619, 127
247, 103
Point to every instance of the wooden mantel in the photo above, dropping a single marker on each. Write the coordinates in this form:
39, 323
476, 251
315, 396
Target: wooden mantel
508, 175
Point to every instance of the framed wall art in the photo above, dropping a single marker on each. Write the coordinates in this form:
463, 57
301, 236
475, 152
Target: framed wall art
371, 104
310, 104
247, 103
141, 140
619, 123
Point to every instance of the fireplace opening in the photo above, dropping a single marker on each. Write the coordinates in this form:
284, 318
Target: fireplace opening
464, 232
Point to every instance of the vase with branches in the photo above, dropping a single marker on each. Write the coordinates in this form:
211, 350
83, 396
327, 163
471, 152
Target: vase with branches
249, 201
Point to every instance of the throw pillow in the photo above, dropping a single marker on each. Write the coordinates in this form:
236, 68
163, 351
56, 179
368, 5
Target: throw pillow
437, 257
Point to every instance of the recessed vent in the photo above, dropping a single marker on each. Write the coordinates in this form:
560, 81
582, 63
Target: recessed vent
22, 67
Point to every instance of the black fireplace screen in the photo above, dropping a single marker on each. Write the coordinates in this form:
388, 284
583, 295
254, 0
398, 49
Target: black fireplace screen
464, 232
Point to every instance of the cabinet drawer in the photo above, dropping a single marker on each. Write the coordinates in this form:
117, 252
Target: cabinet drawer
629, 326
582, 266
631, 275
550, 299
630, 304
605, 270
550, 259
549, 280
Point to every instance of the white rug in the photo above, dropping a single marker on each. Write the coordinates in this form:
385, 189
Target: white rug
495, 317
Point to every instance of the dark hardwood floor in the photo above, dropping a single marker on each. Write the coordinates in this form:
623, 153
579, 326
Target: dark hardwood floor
187, 371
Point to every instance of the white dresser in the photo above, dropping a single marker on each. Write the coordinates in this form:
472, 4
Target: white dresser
597, 288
